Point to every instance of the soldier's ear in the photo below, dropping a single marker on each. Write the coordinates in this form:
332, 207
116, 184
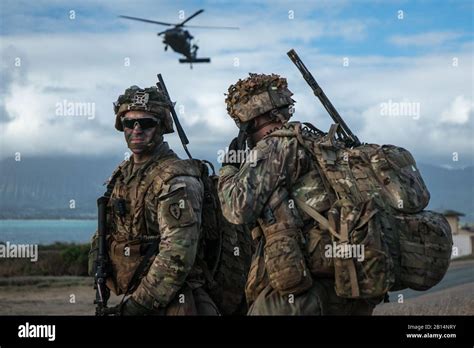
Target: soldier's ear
160, 127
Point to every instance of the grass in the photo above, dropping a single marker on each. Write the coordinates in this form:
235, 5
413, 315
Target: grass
57, 259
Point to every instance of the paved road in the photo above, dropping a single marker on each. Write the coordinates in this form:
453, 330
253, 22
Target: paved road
460, 272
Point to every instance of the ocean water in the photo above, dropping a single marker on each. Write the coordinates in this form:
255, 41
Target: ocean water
46, 231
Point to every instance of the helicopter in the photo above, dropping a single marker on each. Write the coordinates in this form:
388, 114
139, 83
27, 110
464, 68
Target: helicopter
179, 39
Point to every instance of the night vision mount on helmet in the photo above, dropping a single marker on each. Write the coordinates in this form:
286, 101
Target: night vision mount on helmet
151, 100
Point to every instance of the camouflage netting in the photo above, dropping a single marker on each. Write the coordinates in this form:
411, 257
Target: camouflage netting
251, 97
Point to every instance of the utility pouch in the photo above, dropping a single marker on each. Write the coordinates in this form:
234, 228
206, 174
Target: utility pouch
284, 258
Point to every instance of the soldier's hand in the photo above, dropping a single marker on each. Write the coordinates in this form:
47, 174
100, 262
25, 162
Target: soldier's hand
113, 311
132, 307
129, 307
232, 157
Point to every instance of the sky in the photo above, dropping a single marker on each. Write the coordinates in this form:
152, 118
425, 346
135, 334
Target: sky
398, 72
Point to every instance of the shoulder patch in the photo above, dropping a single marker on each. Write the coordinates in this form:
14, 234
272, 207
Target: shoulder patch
175, 208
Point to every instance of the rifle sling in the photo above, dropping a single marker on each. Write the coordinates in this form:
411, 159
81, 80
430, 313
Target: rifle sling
152, 250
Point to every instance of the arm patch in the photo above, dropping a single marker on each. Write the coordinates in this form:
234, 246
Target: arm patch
175, 209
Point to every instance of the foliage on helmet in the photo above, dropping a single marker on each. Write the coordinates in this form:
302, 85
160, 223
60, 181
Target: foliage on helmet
257, 94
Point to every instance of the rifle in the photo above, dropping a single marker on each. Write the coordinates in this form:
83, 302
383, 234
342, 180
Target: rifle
182, 135
242, 137
343, 131
102, 293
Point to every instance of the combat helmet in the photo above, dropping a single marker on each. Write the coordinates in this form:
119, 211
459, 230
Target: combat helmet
151, 100
257, 95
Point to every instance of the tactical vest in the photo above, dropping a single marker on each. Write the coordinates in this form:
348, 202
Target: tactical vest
224, 252
134, 226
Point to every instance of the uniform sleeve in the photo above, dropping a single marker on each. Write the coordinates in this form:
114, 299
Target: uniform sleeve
179, 217
244, 192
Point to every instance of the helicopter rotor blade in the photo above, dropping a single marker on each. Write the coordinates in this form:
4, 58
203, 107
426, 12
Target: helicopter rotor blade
208, 27
147, 20
190, 17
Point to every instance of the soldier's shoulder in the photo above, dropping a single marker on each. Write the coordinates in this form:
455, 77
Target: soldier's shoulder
268, 149
177, 173
177, 167
185, 181
183, 186
279, 139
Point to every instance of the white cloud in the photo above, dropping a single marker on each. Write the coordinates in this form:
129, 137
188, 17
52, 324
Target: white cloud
431, 83
425, 39
88, 67
459, 111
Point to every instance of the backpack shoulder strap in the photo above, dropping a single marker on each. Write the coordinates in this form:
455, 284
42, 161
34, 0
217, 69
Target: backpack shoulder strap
313, 149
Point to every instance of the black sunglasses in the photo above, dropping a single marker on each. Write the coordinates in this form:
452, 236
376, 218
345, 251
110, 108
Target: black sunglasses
145, 123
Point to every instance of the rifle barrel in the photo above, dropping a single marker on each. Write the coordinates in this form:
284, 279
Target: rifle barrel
346, 133
179, 128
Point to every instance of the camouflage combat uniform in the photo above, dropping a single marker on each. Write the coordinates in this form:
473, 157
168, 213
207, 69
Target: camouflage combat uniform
249, 195
158, 201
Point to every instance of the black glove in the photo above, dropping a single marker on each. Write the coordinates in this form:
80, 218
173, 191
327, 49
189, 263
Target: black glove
232, 157
132, 307
129, 308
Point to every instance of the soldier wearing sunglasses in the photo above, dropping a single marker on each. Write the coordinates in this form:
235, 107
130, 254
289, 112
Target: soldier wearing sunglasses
154, 216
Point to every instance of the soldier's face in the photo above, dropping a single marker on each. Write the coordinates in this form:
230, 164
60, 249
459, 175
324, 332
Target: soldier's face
136, 136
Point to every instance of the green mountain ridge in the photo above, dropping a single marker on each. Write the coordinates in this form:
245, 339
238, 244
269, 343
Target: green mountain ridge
68, 187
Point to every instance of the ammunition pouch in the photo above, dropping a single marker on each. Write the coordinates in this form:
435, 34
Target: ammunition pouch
284, 258
125, 256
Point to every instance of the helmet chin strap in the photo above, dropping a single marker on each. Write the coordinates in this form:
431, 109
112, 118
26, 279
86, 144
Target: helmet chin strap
253, 129
281, 114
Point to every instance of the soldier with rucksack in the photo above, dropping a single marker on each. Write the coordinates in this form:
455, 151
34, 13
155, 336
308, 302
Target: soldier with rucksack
162, 242
337, 223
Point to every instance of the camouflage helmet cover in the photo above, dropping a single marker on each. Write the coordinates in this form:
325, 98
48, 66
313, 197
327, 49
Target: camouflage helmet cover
256, 95
150, 100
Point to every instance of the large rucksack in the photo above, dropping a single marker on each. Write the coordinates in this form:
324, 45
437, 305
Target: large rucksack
377, 198
227, 249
